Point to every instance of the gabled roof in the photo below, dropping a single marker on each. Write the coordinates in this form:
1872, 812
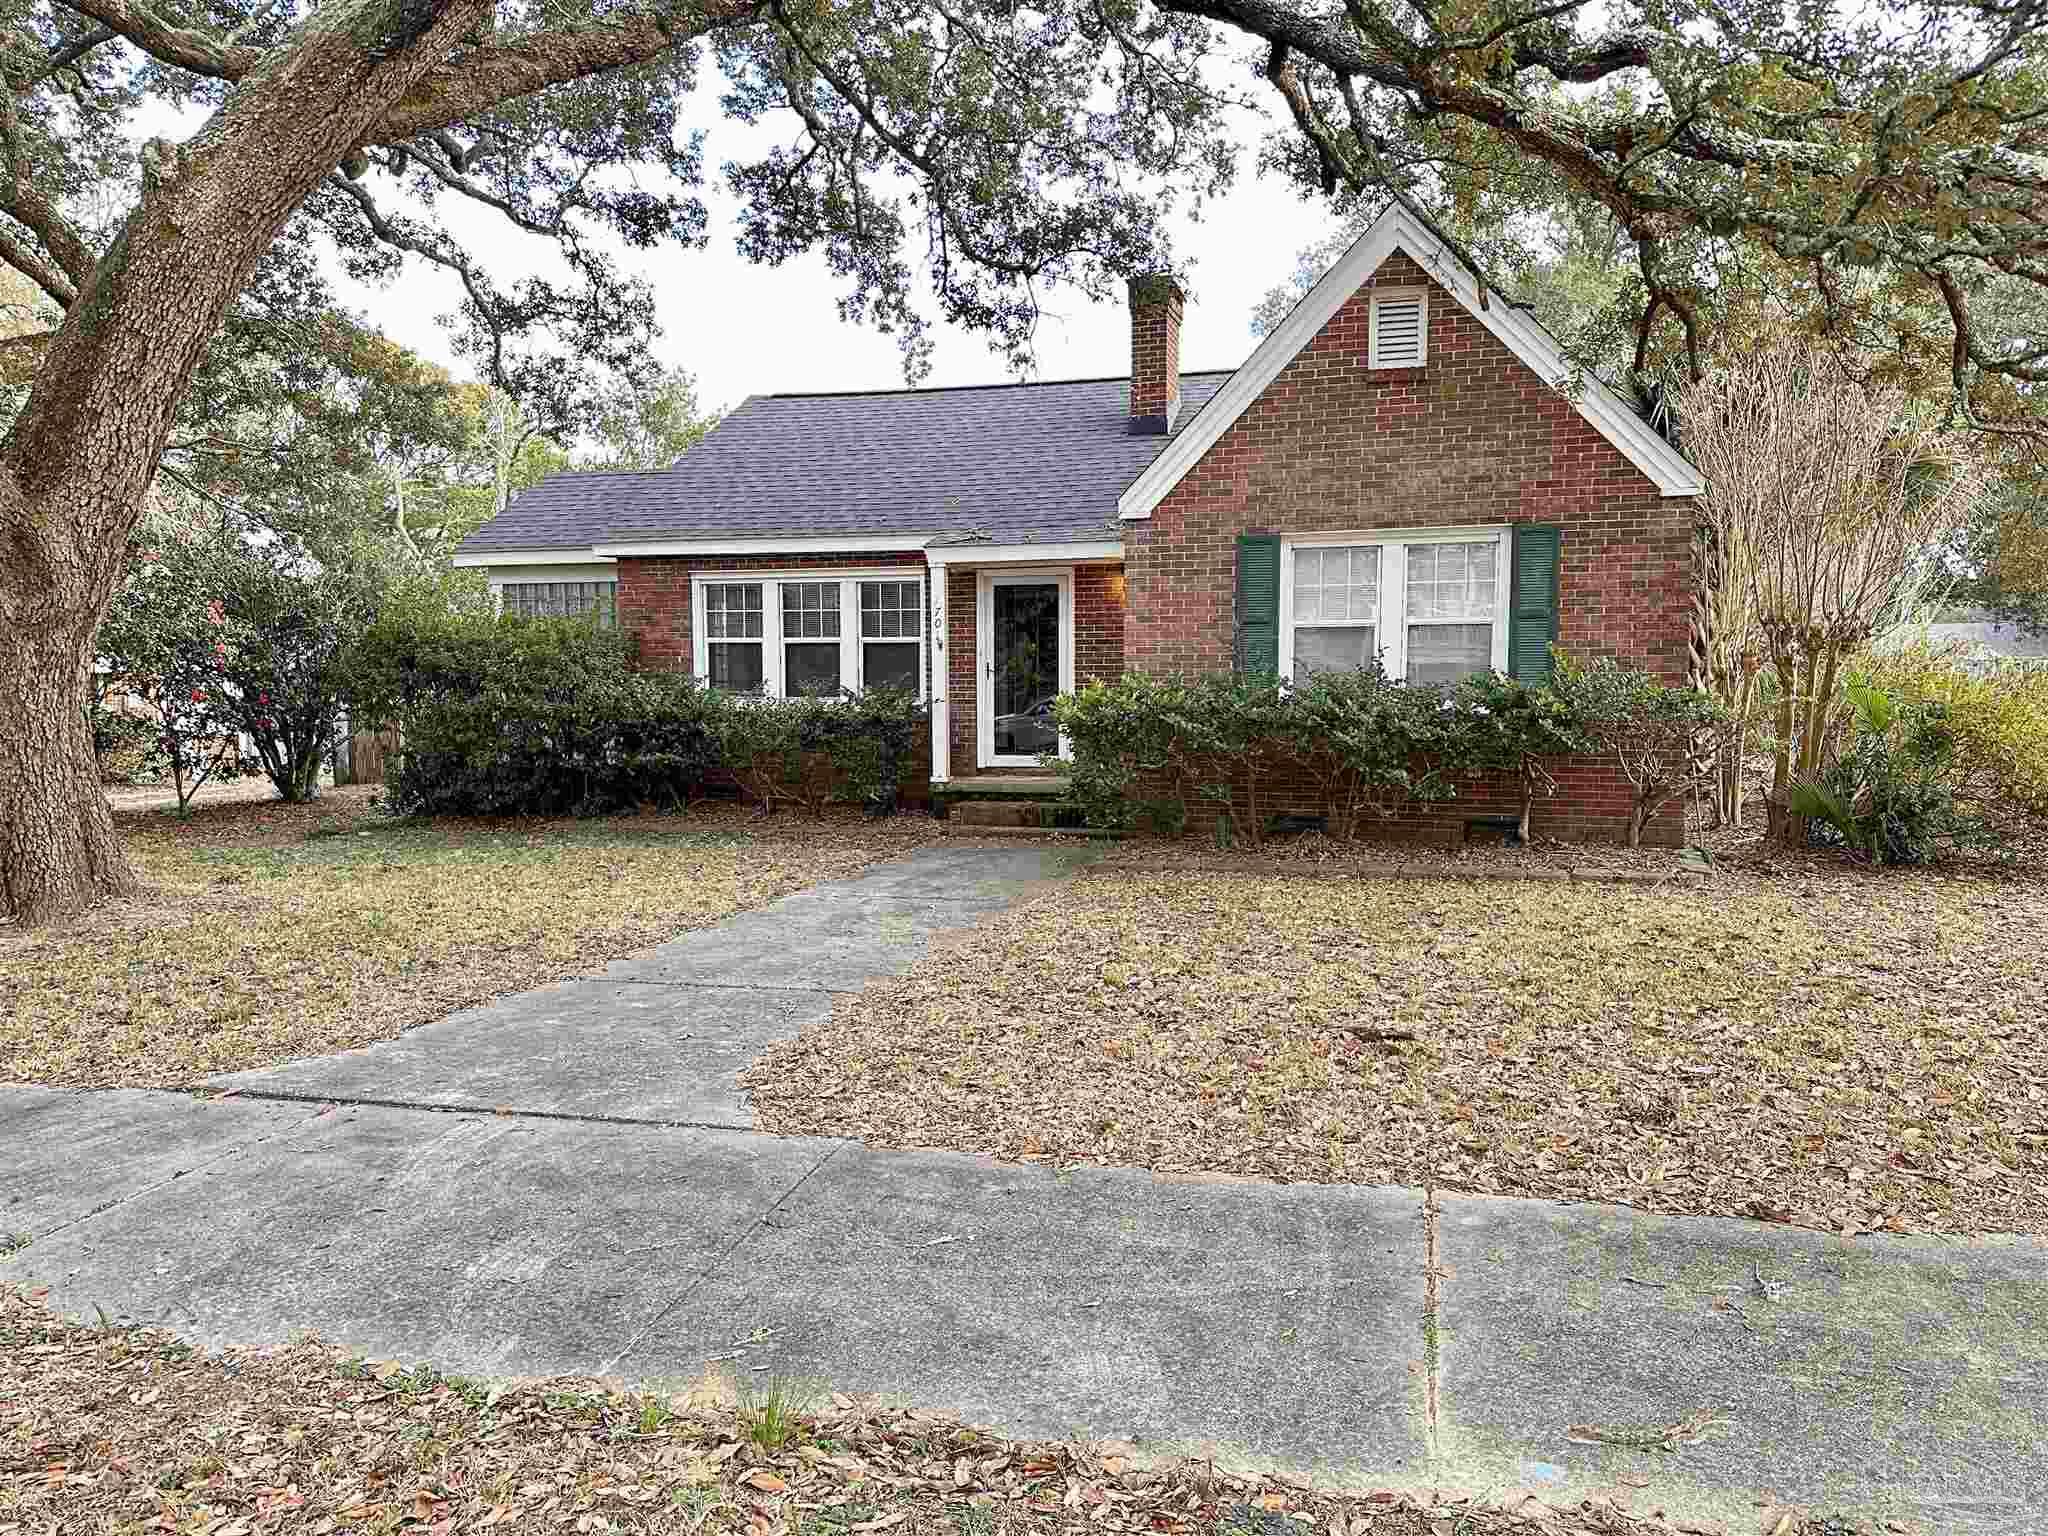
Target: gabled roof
1006, 463
1397, 229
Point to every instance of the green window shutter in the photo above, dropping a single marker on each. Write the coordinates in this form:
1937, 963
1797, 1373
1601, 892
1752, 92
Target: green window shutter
1258, 602
1532, 610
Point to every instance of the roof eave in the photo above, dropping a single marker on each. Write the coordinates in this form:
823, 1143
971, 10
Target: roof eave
766, 544
555, 554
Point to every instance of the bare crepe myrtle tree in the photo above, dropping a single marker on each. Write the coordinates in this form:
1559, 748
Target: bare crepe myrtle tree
973, 150
1827, 498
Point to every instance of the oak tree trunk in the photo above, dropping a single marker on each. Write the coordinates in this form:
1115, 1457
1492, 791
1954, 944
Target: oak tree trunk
78, 460
58, 851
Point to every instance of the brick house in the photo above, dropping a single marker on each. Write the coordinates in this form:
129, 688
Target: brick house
1405, 466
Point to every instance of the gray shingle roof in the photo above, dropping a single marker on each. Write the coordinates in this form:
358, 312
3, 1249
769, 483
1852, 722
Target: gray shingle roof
1011, 463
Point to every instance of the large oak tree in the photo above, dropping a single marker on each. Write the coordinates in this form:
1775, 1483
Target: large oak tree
976, 149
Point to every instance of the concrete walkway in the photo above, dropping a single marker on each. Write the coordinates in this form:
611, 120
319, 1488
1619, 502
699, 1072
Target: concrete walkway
621, 1219
662, 1036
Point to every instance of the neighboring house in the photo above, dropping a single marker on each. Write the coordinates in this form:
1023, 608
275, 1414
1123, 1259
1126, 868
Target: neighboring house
1982, 643
1405, 466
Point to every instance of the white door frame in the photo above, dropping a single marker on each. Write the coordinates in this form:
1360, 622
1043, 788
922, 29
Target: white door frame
985, 583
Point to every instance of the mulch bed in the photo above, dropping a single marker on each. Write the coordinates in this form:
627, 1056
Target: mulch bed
1797, 1040
127, 1430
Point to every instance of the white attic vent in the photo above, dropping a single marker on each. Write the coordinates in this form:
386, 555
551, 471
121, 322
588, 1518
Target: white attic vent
1400, 329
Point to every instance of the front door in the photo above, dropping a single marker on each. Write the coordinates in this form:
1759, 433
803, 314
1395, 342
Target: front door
1027, 641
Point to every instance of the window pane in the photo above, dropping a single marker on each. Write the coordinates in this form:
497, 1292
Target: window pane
1334, 650
732, 611
889, 609
736, 668
561, 599
1024, 634
1451, 581
1337, 586
810, 668
891, 665
1443, 653
810, 610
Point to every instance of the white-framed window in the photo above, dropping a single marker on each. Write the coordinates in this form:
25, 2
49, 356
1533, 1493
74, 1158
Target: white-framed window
560, 599
1399, 328
810, 632
733, 652
1431, 604
892, 635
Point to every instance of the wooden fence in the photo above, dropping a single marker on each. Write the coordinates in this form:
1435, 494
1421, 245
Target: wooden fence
363, 757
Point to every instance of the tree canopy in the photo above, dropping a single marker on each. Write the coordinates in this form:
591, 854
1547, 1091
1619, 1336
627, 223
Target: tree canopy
1895, 153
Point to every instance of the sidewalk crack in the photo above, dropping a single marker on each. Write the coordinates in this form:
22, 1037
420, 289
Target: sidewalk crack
183, 1173
1432, 1330
758, 1224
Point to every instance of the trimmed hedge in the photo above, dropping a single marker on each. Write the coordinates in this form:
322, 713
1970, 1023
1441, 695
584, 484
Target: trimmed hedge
1180, 753
541, 717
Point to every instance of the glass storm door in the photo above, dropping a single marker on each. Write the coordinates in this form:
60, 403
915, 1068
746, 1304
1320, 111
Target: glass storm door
1025, 665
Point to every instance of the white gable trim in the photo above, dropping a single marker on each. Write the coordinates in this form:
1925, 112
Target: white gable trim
1396, 229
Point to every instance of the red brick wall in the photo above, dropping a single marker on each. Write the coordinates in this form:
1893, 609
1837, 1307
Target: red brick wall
1098, 622
1471, 438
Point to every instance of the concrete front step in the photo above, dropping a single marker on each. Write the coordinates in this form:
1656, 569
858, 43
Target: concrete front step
999, 813
1006, 785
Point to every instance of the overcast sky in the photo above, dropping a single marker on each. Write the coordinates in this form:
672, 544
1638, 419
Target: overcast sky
745, 329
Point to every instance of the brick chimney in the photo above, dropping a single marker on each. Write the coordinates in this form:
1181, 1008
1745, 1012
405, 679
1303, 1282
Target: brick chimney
1156, 304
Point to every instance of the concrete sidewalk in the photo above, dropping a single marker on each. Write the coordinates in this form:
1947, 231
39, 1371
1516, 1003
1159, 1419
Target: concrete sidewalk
567, 1181
1295, 1326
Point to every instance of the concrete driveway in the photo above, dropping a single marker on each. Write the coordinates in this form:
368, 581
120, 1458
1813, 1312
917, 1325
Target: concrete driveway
567, 1181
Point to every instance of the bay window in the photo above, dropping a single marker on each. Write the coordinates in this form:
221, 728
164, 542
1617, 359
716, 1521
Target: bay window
1431, 605
809, 632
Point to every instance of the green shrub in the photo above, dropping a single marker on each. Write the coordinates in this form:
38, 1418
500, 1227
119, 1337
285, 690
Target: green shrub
1177, 752
811, 751
1658, 734
1500, 725
1373, 746
512, 716
1998, 718
508, 716
1891, 795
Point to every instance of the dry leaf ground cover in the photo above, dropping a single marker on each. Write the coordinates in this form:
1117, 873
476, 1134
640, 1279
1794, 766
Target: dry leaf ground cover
273, 931
1841, 1049
127, 1431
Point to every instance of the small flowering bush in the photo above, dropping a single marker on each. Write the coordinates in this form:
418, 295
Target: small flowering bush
238, 648
164, 641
